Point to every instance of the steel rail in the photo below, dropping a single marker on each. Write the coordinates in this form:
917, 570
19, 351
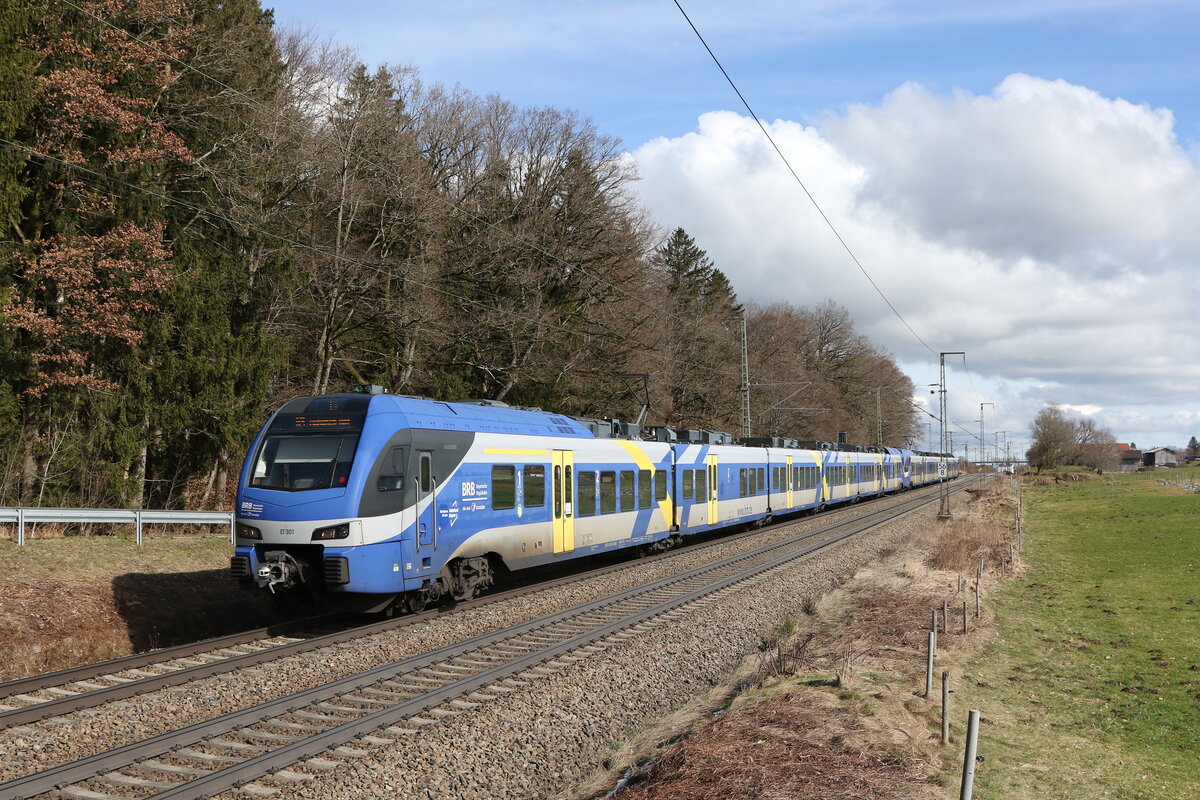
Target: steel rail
227, 663
99, 669
236, 775
122, 757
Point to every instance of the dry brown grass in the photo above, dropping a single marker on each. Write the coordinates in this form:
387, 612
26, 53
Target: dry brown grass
850, 720
789, 750
77, 600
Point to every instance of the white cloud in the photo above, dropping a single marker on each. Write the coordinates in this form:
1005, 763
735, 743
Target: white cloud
1048, 231
1083, 411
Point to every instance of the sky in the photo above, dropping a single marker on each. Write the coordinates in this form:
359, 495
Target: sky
1020, 179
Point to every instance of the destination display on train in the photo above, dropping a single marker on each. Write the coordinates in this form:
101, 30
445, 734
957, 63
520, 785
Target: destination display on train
315, 422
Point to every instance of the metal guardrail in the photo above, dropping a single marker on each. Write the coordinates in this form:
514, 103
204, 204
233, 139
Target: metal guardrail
137, 517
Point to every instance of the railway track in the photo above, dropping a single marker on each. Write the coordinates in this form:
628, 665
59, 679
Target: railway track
309, 727
51, 694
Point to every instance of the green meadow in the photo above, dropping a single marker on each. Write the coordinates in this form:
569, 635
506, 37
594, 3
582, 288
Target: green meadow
1093, 686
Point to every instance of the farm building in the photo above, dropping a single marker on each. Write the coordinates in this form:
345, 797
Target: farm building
1160, 457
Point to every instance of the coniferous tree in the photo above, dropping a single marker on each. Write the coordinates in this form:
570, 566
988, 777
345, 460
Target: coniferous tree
699, 342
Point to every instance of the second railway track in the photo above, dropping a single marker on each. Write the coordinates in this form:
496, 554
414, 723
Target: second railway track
40, 697
209, 757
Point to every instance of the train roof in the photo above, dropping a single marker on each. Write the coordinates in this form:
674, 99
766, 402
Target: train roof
424, 413
348, 409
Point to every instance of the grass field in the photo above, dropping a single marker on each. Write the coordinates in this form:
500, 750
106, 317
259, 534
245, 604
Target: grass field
1093, 688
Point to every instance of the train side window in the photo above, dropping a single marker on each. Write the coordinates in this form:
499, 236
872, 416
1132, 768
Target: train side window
558, 491
762, 478
426, 472
702, 485
645, 489
504, 486
628, 500
535, 486
660, 484
743, 483
608, 492
587, 493
687, 484
570, 489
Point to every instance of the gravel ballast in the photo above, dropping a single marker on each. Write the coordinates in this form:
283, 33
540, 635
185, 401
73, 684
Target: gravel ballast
544, 732
558, 729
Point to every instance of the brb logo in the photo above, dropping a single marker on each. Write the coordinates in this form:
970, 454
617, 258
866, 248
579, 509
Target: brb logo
250, 509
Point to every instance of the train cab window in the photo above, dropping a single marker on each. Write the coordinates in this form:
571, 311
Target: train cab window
743, 483
504, 486
645, 489
660, 484
702, 486
302, 462
687, 485
391, 471
608, 492
628, 500
587, 493
534, 494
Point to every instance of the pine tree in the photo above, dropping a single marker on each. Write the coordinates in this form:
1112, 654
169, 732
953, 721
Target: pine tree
208, 362
701, 307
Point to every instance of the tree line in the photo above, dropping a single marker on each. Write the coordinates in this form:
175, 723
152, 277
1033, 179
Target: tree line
206, 215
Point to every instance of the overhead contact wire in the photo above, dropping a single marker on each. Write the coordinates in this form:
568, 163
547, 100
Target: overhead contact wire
796, 176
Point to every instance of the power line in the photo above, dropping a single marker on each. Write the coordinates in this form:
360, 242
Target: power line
812, 199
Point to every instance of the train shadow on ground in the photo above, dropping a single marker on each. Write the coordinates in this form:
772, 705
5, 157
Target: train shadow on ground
165, 609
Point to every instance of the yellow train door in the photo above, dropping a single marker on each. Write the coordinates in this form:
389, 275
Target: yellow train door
564, 497
788, 482
712, 489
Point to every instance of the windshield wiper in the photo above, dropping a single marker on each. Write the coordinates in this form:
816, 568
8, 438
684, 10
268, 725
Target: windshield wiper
333, 463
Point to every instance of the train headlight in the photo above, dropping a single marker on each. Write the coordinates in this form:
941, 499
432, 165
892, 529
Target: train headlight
246, 532
332, 532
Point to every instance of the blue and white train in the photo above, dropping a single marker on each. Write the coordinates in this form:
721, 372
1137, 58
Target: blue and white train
393, 502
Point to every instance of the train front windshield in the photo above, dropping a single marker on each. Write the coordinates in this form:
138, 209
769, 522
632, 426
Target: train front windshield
297, 462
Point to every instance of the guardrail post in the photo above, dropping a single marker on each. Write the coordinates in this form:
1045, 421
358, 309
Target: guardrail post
137, 521
20, 527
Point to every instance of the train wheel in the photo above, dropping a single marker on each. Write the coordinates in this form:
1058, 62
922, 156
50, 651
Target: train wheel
415, 602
